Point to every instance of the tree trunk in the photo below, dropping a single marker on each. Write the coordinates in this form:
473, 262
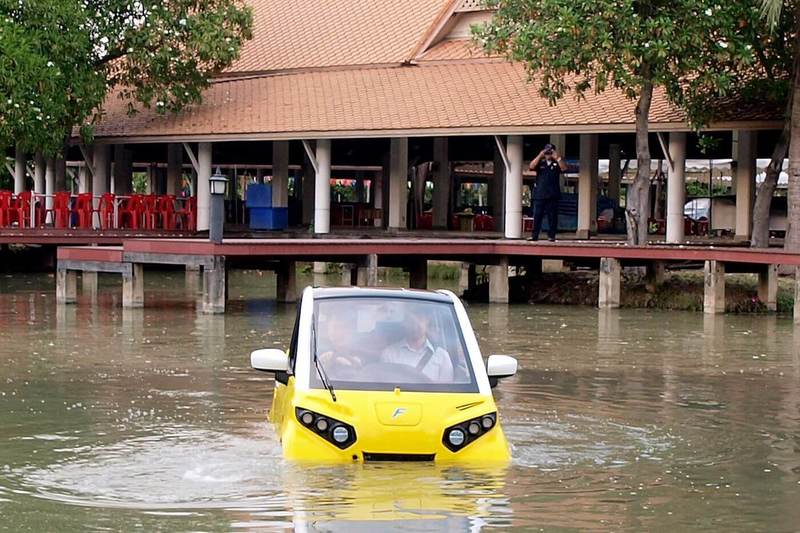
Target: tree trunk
792, 242
637, 205
766, 190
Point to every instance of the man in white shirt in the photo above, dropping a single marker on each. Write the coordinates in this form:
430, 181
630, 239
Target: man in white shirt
417, 351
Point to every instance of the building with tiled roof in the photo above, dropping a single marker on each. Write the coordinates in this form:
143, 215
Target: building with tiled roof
377, 68
328, 85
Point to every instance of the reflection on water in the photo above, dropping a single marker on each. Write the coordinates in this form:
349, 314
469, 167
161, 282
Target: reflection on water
151, 418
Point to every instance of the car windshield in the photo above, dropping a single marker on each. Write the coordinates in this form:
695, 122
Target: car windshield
367, 343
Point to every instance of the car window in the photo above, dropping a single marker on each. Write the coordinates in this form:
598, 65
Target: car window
369, 343
293, 343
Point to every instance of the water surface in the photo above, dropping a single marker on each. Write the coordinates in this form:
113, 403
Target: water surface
629, 420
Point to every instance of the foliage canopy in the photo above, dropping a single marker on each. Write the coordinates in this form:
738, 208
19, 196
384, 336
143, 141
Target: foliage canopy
59, 59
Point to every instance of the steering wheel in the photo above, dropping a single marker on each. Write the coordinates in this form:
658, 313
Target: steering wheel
388, 372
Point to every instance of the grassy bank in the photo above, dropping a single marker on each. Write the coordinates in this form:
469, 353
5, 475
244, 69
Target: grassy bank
680, 290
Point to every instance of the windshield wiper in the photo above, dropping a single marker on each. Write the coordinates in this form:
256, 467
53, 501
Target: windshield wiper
323, 376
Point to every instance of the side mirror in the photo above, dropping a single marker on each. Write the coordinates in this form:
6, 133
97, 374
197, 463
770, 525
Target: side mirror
269, 360
500, 366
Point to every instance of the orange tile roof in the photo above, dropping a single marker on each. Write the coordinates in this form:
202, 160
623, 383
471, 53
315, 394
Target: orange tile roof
452, 49
294, 34
468, 97
336, 68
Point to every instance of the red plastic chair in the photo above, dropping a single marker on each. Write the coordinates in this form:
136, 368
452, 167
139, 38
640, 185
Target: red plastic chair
106, 210
60, 210
84, 208
425, 221
150, 211
166, 211
484, 223
5, 208
130, 212
21, 210
187, 215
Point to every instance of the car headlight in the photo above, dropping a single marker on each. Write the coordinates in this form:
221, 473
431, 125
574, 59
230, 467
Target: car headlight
460, 435
334, 431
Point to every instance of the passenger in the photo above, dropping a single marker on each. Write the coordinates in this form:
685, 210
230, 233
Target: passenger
417, 351
336, 347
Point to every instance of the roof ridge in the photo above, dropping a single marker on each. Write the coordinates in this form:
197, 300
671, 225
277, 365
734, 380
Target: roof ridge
435, 29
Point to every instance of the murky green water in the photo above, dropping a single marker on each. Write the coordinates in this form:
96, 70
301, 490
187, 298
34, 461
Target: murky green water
627, 420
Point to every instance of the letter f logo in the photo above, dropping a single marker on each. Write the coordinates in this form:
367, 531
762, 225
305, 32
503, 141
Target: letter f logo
398, 412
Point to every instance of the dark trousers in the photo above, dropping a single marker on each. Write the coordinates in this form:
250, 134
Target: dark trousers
542, 207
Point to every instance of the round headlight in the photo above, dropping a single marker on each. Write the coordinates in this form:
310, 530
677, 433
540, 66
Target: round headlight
322, 424
341, 434
307, 418
456, 437
487, 422
474, 428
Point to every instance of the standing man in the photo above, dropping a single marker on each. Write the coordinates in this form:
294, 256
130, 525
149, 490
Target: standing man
547, 167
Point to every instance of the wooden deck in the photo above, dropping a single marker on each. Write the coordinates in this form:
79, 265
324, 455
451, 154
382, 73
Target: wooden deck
366, 254
350, 250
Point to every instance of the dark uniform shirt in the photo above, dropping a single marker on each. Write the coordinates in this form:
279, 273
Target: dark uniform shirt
548, 181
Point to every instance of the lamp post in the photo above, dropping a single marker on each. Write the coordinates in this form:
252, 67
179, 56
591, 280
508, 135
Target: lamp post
218, 184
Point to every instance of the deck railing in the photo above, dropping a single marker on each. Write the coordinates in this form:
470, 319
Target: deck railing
64, 210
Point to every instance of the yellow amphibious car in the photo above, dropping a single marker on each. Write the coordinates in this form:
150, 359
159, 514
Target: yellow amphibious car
385, 375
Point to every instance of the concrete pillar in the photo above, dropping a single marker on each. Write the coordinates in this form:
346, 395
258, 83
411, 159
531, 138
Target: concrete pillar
193, 278
768, 287
463, 278
287, 282
497, 191
89, 283
441, 182
560, 142
203, 188
398, 183
513, 188
39, 172
656, 271
498, 282
309, 178
101, 161
676, 187
123, 170
745, 154
367, 272
714, 287
152, 179
280, 174
587, 186
610, 285
377, 194
797, 295
322, 188
614, 171
19, 170
66, 286
133, 287
215, 284
84, 179
61, 173
418, 274
174, 167
50, 182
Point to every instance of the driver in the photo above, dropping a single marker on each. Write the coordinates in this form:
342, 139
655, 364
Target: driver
417, 351
336, 350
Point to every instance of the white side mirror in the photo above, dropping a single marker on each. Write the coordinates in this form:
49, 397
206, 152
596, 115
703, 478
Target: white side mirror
501, 366
269, 360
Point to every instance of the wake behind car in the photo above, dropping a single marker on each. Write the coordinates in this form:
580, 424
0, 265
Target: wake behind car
385, 375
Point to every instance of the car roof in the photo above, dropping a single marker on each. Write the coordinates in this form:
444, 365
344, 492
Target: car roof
373, 292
